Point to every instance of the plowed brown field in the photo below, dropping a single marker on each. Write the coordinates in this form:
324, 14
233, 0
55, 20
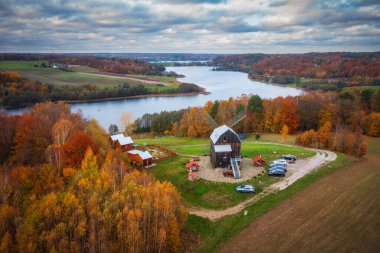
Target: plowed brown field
339, 213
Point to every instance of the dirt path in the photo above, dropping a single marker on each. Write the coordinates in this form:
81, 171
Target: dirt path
296, 171
339, 213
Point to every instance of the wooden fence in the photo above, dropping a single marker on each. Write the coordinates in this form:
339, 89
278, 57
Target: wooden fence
171, 153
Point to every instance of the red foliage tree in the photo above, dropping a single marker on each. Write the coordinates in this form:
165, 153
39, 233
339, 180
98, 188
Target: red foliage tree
76, 146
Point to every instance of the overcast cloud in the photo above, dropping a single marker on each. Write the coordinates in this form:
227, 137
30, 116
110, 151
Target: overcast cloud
191, 26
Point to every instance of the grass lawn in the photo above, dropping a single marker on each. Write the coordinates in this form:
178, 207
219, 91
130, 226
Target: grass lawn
173, 141
59, 77
361, 88
207, 194
214, 234
268, 137
204, 193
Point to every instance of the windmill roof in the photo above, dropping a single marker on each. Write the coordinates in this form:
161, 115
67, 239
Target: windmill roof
219, 131
223, 148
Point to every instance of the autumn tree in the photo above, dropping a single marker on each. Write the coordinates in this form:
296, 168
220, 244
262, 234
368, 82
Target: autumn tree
127, 120
76, 147
33, 134
8, 126
372, 124
324, 135
284, 133
254, 113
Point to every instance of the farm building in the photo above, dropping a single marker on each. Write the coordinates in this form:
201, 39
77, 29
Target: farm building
258, 161
121, 142
144, 158
225, 148
193, 166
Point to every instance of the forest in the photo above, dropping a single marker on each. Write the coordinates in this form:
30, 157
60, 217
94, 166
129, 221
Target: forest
16, 90
326, 71
62, 189
331, 120
103, 64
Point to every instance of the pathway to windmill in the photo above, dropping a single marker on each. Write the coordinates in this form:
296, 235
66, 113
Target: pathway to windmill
295, 172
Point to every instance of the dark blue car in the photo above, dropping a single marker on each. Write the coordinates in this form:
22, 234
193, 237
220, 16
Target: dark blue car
276, 172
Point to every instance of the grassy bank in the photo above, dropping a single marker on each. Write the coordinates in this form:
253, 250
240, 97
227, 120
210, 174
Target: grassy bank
208, 194
78, 75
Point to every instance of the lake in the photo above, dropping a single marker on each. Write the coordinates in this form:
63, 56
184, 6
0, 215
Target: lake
221, 84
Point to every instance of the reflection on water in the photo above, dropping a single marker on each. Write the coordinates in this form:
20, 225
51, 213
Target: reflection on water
221, 84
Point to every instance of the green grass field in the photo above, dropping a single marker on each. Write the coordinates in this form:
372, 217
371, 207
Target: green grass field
203, 193
361, 88
59, 77
207, 194
80, 75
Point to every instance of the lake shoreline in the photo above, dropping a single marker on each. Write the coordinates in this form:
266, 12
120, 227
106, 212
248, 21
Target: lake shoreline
137, 96
202, 92
261, 81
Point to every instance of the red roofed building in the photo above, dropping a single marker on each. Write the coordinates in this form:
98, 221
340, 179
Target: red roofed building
258, 161
193, 166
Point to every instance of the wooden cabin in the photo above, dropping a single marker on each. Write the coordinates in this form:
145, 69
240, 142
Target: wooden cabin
144, 158
114, 138
192, 166
119, 141
225, 144
125, 143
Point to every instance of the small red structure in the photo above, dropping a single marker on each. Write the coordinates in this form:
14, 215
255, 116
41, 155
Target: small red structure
192, 176
258, 161
192, 166
143, 158
119, 141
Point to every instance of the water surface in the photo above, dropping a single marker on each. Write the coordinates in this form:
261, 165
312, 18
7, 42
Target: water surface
221, 84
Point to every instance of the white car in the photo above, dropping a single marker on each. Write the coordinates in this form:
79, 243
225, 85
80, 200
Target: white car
281, 161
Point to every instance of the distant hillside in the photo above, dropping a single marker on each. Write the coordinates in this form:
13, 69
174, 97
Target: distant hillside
311, 70
114, 65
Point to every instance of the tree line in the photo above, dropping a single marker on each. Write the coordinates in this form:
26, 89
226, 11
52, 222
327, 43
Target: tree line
16, 90
121, 65
348, 69
62, 189
336, 116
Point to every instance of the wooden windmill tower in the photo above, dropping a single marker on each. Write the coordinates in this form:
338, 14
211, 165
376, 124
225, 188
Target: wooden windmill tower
225, 144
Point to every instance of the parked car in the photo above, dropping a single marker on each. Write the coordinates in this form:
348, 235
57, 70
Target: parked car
289, 157
276, 162
276, 172
246, 188
278, 167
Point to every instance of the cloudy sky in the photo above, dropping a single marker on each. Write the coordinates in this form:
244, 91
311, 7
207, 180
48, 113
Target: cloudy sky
189, 26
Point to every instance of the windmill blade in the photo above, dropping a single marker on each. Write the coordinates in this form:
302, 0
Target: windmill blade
205, 149
236, 119
210, 120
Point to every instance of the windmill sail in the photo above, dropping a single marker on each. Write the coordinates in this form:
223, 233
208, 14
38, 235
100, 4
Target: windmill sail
236, 119
210, 120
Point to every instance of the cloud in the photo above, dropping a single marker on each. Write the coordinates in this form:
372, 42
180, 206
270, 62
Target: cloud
218, 26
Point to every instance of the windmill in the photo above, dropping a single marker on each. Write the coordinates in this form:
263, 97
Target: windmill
225, 144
